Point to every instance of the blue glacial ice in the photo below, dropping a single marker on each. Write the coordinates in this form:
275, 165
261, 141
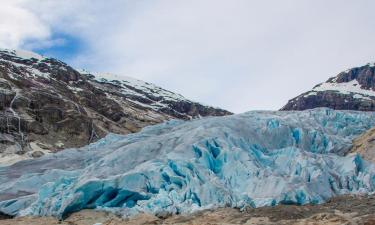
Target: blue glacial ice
254, 159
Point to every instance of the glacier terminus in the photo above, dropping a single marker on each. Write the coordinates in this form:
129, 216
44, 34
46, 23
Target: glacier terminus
254, 159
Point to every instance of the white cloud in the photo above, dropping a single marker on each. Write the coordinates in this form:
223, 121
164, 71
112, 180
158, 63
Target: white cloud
18, 25
240, 55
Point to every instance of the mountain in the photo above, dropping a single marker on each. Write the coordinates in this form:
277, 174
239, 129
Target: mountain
254, 159
46, 105
353, 89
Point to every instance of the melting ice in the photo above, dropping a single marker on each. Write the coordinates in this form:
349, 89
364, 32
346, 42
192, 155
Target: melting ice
253, 159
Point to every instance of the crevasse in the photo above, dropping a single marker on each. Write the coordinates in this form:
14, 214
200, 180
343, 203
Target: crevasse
248, 160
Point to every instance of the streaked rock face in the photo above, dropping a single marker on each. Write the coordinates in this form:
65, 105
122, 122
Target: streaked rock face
353, 89
46, 105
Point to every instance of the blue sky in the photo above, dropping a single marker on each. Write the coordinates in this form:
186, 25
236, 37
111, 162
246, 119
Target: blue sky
66, 49
239, 55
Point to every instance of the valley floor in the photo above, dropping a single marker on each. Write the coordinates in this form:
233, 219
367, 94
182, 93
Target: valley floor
340, 210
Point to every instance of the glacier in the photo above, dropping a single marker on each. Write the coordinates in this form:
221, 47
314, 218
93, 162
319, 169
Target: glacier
254, 159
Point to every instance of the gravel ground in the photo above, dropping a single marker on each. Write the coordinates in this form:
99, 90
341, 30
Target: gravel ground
341, 210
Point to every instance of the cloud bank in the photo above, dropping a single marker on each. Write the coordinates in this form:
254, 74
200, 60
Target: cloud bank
240, 55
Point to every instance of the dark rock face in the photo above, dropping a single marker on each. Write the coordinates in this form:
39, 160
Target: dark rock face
46, 105
364, 75
4, 216
353, 89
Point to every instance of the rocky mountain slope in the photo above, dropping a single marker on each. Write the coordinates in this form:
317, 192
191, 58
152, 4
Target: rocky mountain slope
46, 105
353, 89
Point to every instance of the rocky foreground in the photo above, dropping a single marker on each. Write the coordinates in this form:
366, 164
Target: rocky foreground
338, 211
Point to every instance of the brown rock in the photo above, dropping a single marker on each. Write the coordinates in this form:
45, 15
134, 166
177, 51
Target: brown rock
365, 145
37, 154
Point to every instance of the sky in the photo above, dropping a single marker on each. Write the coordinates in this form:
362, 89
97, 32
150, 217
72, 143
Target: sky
239, 55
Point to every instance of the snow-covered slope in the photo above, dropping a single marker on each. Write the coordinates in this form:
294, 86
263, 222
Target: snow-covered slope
46, 105
145, 94
131, 86
353, 89
251, 159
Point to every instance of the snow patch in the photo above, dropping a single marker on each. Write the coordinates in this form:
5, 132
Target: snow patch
311, 93
23, 54
75, 89
30, 70
346, 89
157, 97
140, 85
359, 96
27, 55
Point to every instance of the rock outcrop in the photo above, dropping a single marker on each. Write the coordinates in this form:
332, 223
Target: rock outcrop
365, 145
353, 89
46, 106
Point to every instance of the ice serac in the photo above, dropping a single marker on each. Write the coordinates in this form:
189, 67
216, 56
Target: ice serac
252, 159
